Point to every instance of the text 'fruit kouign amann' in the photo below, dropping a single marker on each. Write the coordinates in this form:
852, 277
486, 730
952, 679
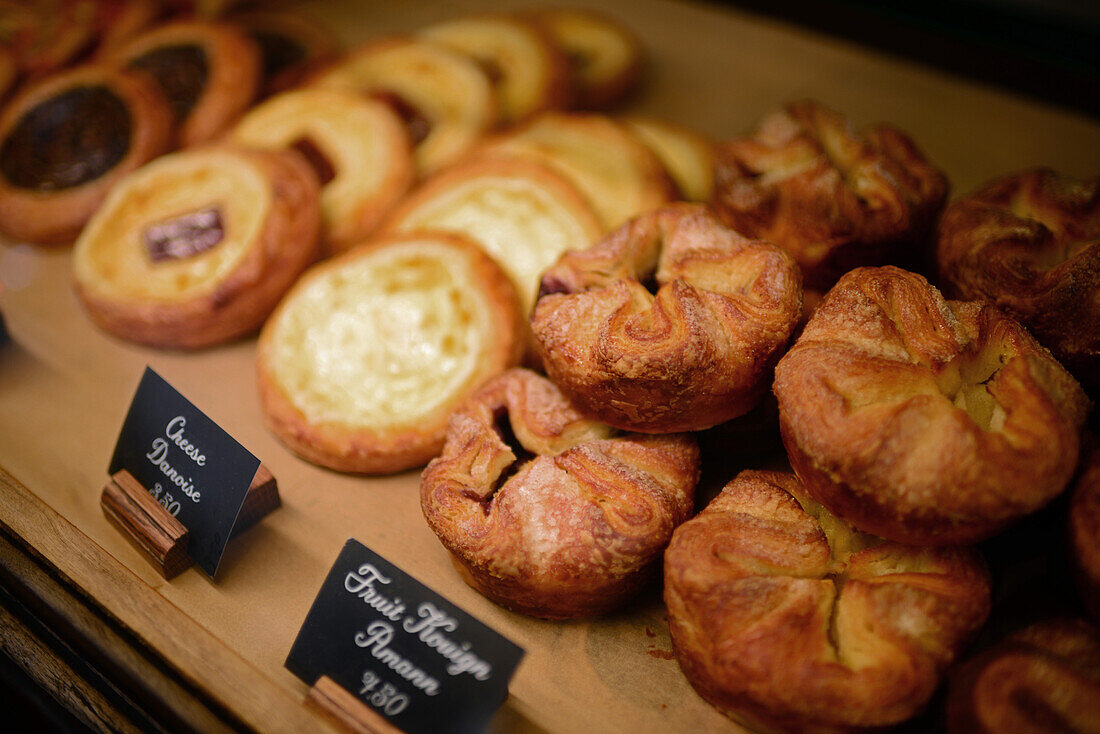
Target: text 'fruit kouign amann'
697, 352
547, 512
371, 351
197, 247
1043, 679
923, 420
834, 197
1029, 243
786, 619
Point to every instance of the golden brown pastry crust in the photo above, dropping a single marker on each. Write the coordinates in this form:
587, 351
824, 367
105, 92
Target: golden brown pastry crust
1029, 242
833, 197
572, 526
222, 302
292, 45
348, 406
923, 420
786, 619
228, 86
47, 213
1084, 528
696, 354
1044, 679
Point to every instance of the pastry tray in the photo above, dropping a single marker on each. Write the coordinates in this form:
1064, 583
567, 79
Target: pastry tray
65, 388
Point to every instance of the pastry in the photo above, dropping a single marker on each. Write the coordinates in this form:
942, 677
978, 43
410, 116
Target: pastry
1029, 243
833, 197
547, 512
197, 247
291, 46
446, 99
530, 73
671, 323
618, 175
46, 36
364, 360
605, 57
210, 71
65, 141
358, 146
921, 420
120, 20
687, 155
1043, 679
1084, 533
521, 212
786, 619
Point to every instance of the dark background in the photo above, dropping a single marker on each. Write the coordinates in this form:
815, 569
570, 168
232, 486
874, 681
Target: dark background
1048, 50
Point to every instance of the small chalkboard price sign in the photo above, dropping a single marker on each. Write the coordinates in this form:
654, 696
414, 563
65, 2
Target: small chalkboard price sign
394, 651
181, 486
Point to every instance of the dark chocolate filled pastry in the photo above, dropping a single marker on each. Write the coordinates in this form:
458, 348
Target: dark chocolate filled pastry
209, 71
197, 247
547, 512
1044, 679
786, 619
1029, 243
833, 197
291, 45
66, 141
923, 420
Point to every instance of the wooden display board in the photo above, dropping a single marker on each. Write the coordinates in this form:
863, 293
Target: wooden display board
220, 645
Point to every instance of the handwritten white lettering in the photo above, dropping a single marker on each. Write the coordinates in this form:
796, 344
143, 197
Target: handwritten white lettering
428, 629
362, 585
174, 431
376, 639
158, 458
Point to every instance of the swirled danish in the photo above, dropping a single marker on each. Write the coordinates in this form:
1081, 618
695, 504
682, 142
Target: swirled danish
1029, 243
923, 420
697, 352
370, 352
786, 619
549, 513
833, 197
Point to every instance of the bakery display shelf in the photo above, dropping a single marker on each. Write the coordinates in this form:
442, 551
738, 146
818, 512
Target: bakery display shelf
202, 654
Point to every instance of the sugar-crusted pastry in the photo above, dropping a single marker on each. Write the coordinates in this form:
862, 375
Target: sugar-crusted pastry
834, 197
521, 212
197, 247
292, 45
447, 99
1029, 242
210, 72
618, 174
530, 72
606, 57
547, 512
66, 141
923, 420
371, 351
1043, 679
786, 619
687, 154
696, 351
358, 146
1084, 533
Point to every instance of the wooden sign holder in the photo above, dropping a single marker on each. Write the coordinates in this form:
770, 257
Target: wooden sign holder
160, 537
333, 699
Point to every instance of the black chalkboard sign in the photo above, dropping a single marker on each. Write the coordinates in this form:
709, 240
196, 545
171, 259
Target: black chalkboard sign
197, 471
400, 648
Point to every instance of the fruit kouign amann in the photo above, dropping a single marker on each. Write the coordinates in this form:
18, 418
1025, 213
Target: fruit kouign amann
197, 247
549, 513
371, 351
671, 323
834, 197
66, 141
1029, 243
923, 420
786, 619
